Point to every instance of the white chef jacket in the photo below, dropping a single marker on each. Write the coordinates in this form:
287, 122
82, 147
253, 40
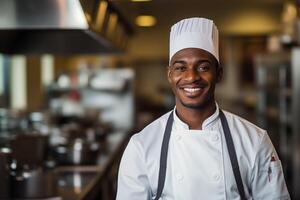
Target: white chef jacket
198, 163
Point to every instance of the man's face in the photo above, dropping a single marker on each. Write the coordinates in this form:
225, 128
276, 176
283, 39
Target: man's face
193, 74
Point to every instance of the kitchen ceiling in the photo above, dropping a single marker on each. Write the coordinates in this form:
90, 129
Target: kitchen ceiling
233, 18
222, 12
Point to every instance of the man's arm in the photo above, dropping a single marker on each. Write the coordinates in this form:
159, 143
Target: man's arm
267, 175
133, 183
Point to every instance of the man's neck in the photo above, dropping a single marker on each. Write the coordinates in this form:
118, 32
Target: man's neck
194, 117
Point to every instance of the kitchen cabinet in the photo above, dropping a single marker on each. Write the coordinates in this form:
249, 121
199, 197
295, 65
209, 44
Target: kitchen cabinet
278, 108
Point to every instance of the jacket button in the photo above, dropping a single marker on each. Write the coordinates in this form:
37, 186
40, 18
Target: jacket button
179, 177
215, 138
217, 177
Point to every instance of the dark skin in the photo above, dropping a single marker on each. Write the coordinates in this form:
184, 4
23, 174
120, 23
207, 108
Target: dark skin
193, 74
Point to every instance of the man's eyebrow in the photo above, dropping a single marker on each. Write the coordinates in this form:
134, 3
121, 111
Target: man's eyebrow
198, 62
179, 62
205, 61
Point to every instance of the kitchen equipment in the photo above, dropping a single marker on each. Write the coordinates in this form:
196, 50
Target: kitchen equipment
72, 184
38, 121
4, 173
32, 183
62, 27
77, 152
9, 120
29, 149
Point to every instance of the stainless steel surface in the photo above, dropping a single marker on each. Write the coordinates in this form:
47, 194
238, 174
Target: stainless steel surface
71, 184
272, 105
46, 14
90, 182
295, 120
53, 26
286, 110
77, 152
33, 183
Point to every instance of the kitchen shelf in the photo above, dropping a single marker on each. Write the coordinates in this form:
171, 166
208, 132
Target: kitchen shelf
78, 88
278, 109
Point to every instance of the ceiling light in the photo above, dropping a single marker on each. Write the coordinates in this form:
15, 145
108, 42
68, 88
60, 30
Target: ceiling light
145, 20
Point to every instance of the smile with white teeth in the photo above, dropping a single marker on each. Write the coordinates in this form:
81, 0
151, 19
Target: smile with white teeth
191, 90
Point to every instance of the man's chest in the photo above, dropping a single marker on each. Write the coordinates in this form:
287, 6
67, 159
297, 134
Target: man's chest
198, 167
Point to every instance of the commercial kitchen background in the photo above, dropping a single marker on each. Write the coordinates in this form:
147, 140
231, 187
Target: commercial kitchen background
77, 78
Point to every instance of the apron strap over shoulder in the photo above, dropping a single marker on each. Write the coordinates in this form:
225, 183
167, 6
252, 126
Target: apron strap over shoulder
163, 157
232, 155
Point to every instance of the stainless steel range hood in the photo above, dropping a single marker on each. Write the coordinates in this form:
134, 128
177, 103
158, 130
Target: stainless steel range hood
61, 27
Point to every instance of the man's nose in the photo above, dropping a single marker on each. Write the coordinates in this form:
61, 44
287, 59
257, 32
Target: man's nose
192, 75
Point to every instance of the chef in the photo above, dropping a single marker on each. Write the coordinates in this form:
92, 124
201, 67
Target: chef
197, 150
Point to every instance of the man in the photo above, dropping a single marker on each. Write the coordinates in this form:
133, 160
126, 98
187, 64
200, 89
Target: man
198, 151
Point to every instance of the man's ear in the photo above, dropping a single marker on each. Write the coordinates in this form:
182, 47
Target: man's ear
219, 73
169, 73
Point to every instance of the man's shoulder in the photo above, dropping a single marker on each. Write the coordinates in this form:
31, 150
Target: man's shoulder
244, 126
247, 137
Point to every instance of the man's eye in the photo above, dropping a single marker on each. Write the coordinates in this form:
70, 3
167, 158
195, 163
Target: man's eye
180, 68
203, 68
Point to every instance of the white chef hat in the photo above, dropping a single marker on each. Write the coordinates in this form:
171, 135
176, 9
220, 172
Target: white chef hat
194, 33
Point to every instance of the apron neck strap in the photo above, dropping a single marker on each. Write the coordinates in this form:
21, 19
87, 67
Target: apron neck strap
230, 148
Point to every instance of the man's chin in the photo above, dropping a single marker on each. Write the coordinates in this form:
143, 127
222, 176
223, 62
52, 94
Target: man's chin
198, 105
194, 105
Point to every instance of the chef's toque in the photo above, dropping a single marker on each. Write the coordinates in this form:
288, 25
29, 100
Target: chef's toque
194, 33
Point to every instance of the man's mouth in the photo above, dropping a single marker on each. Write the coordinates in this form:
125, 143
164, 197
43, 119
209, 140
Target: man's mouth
192, 90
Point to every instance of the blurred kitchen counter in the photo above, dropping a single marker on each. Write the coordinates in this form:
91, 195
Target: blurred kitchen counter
93, 181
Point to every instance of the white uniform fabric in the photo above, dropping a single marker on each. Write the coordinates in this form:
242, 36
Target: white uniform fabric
198, 165
194, 33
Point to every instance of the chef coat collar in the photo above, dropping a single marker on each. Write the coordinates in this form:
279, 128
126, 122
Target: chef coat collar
179, 124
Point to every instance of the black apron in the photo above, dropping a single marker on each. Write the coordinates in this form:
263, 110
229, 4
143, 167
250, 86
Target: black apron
230, 148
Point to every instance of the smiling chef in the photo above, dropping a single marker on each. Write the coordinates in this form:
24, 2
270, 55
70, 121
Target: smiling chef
197, 150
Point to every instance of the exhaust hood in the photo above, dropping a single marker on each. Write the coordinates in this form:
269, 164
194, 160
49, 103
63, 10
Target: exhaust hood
61, 27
